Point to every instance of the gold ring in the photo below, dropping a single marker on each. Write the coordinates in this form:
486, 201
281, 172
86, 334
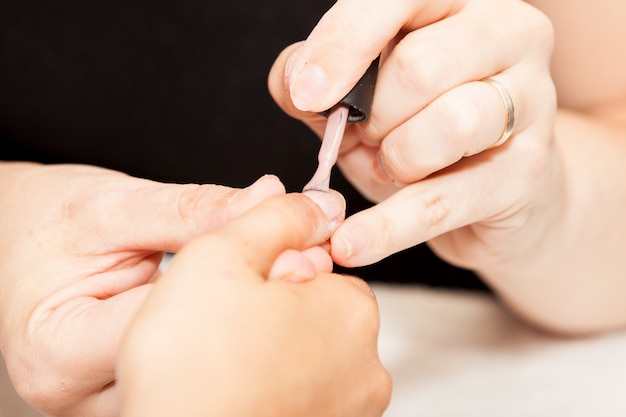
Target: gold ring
508, 109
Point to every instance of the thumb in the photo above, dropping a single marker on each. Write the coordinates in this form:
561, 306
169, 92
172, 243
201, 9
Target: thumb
345, 41
323, 69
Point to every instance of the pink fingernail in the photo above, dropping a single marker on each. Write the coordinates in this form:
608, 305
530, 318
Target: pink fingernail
379, 171
308, 87
332, 204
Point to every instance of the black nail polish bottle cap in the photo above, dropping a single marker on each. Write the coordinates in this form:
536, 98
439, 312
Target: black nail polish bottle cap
361, 96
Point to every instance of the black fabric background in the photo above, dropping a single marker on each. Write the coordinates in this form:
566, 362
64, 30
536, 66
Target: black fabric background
172, 90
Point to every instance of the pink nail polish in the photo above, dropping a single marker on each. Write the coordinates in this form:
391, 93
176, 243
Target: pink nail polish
331, 203
308, 87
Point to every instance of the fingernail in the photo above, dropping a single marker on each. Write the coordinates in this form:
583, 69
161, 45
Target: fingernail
288, 267
350, 241
308, 87
379, 171
262, 188
332, 204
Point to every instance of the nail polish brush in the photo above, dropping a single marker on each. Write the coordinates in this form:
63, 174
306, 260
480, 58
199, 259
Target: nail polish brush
353, 108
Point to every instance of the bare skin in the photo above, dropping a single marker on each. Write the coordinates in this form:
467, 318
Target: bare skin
80, 249
255, 346
539, 218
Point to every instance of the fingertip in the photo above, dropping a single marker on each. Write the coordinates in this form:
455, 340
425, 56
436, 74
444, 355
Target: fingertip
292, 266
308, 87
313, 78
306, 83
278, 79
320, 257
264, 187
297, 267
332, 203
338, 52
347, 245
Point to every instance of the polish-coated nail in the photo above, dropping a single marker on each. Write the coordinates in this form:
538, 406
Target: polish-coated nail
332, 204
308, 87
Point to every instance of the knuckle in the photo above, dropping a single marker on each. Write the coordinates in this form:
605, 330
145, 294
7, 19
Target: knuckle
387, 234
364, 310
538, 164
547, 101
543, 26
383, 389
397, 161
366, 294
189, 200
432, 205
415, 72
463, 120
542, 29
534, 168
372, 131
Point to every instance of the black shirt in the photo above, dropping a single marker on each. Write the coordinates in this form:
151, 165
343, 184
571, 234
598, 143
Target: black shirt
171, 90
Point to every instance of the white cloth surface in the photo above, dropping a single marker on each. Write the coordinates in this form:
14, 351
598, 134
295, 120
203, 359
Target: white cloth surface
457, 353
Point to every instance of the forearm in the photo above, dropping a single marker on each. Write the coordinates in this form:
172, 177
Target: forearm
574, 280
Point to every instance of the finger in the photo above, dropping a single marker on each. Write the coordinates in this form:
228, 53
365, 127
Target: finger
438, 53
279, 91
483, 187
357, 165
462, 122
147, 215
295, 266
252, 242
320, 257
443, 55
466, 120
344, 43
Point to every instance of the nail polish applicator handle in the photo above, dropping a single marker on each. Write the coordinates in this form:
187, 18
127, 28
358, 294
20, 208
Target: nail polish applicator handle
353, 108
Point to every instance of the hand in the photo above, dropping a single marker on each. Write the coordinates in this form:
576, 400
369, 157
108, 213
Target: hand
222, 335
80, 247
426, 152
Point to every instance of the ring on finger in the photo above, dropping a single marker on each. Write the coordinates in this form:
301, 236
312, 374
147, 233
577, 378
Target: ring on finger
509, 111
